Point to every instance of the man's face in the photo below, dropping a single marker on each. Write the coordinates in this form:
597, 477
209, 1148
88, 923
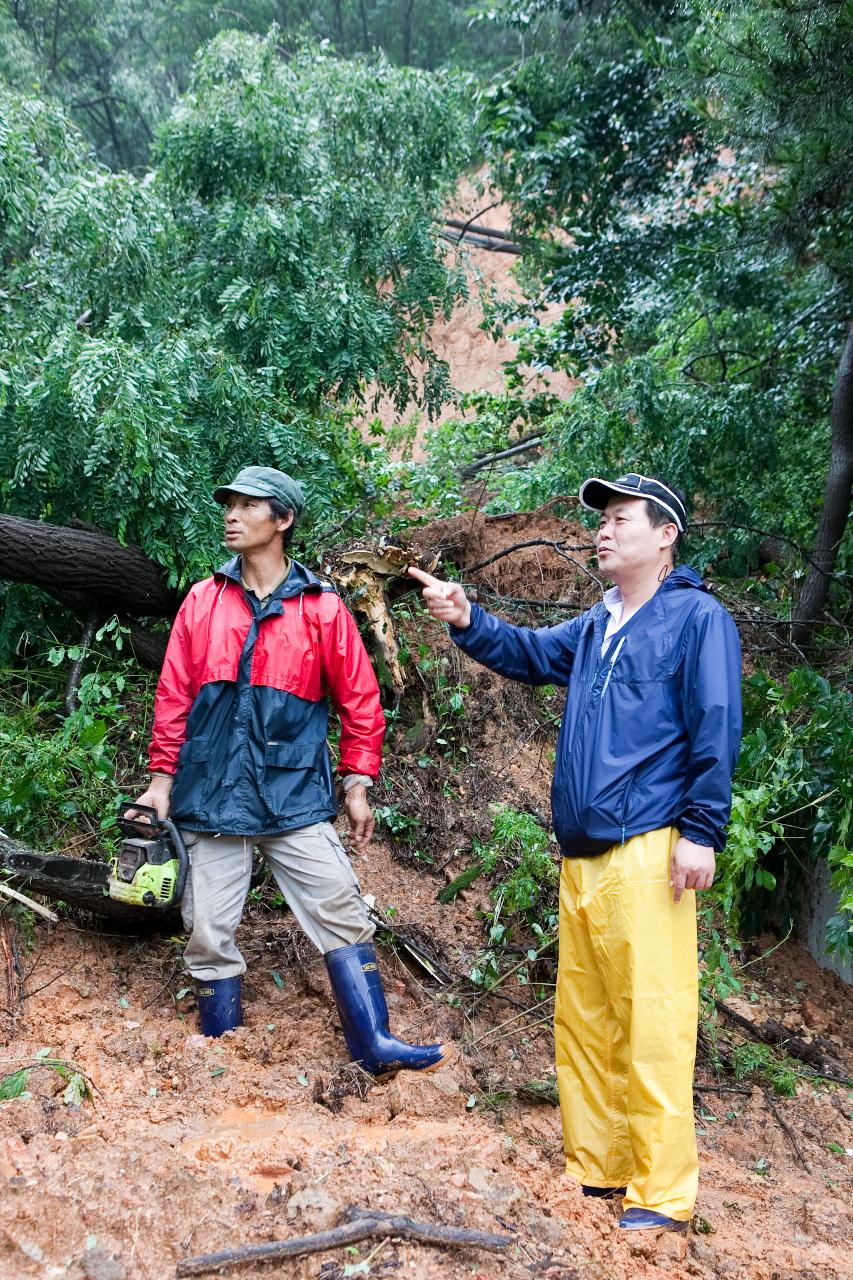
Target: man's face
250, 524
626, 543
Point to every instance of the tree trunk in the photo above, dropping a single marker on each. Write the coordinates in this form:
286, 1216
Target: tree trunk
365, 35
836, 500
82, 563
338, 26
408, 16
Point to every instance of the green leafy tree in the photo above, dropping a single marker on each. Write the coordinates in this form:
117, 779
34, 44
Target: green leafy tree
118, 66
158, 332
683, 187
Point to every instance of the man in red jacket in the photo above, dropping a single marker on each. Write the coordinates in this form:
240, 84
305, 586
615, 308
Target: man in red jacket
239, 759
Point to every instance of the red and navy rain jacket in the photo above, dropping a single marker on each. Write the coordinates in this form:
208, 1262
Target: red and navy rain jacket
241, 712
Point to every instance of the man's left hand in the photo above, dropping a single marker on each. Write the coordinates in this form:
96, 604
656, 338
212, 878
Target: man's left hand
359, 815
691, 866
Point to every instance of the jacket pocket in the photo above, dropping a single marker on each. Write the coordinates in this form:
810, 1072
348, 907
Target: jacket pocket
191, 779
291, 781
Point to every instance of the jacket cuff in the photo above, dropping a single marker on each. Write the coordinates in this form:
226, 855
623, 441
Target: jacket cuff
699, 835
365, 762
162, 762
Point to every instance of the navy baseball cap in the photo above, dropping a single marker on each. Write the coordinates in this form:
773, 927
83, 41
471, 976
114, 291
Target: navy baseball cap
595, 495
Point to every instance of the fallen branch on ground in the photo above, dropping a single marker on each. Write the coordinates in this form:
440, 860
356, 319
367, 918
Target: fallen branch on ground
371, 1224
28, 902
722, 1088
481, 242
772, 1032
786, 1128
488, 460
479, 229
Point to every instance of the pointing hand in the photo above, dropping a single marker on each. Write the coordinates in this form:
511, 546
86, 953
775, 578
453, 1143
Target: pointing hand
446, 601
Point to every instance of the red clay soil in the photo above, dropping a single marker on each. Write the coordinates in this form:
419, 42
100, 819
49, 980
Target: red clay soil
191, 1145
476, 360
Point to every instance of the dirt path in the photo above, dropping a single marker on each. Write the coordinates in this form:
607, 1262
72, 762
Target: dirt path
191, 1145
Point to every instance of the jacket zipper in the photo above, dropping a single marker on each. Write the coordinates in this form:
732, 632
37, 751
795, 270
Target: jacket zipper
612, 665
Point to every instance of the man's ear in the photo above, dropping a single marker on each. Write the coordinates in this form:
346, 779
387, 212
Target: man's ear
283, 524
668, 535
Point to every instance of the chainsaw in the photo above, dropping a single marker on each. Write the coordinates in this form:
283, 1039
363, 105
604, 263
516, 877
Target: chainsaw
150, 868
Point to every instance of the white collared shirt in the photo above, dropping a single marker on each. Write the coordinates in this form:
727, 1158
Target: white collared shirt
618, 615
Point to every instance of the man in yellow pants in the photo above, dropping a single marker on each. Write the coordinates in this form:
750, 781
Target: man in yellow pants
640, 801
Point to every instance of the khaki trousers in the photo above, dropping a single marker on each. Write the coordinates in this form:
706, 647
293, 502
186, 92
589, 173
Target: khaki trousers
625, 1025
310, 867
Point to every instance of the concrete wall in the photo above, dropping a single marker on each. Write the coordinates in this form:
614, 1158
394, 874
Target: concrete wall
820, 902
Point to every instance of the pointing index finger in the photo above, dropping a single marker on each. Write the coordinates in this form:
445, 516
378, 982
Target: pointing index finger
426, 578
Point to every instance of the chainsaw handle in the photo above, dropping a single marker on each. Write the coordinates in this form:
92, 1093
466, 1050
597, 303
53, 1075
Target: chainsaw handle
183, 857
139, 826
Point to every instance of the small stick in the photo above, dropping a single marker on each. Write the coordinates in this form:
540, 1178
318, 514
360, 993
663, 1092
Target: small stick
381, 1225
28, 902
783, 1124
722, 1088
506, 1023
528, 1026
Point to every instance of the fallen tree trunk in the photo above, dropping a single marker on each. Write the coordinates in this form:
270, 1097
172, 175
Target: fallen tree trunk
84, 563
148, 649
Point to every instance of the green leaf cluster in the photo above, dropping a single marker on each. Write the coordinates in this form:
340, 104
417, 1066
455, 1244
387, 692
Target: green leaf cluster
157, 333
793, 795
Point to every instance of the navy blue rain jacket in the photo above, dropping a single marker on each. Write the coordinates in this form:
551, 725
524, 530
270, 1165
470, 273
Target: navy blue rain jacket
651, 730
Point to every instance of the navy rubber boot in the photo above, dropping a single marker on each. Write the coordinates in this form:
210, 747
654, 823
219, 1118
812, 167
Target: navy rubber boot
647, 1220
219, 1007
357, 988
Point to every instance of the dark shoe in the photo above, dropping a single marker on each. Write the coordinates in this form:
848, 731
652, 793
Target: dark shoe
357, 988
219, 1006
603, 1193
648, 1220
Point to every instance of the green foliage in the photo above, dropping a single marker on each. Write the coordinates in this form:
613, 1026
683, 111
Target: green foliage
157, 333
760, 1061
771, 70
683, 181
117, 66
53, 771
793, 792
519, 855
16, 1084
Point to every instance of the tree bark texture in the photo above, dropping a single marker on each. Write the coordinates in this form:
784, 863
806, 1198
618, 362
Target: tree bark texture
836, 500
81, 562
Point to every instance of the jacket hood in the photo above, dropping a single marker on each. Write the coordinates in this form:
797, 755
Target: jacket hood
684, 575
299, 579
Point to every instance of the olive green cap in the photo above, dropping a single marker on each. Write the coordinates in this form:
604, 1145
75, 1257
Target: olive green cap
264, 482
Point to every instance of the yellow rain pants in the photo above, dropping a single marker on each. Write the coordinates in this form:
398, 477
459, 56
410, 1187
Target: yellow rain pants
625, 1025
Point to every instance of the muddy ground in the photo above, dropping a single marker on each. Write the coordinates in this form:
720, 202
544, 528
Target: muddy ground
190, 1145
